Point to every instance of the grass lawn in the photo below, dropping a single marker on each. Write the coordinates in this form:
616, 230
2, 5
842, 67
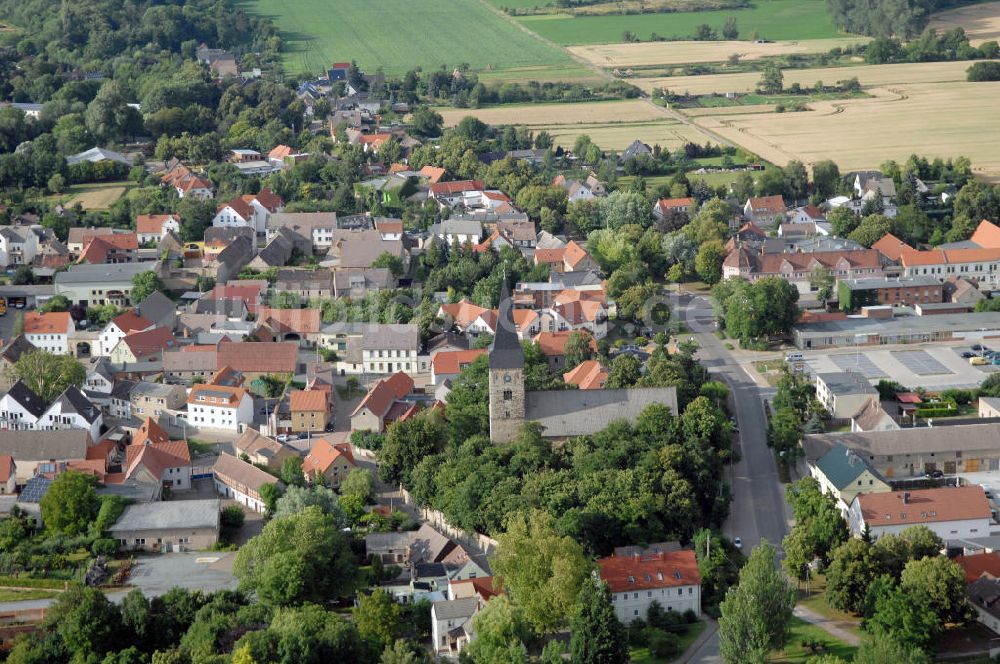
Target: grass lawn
19, 595
815, 600
799, 631
398, 35
644, 656
96, 196
772, 19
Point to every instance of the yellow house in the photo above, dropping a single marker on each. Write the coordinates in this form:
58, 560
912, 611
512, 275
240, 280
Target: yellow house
845, 474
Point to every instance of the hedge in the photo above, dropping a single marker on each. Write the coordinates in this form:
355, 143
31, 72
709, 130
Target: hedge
29, 582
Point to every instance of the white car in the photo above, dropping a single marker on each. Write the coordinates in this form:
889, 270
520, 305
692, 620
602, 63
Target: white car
737, 542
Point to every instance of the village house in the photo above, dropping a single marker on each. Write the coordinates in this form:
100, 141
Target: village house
982, 594
318, 228
309, 410
241, 481
18, 245
844, 474
842, 393
451, 625
186, 183
765, 210
147, 346
853, 294
331, 461
185, 525
670, 578
384, 403
118, 328
261, 450
447, 365
49, 332
949, 512
154, 399
249, 210
588, 375
667, 206
553, 346
798, 268
9, 356
570, 258
219, 407
8, 475
31, 448
90, 285
152, 227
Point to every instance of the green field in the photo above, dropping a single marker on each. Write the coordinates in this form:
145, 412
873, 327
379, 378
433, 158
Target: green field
398, 35
772, 19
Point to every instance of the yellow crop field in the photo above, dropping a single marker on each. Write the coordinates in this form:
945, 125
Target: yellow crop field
683, 52
981, 22
669, 134
633, 110
96, 196
879, 75
863, 133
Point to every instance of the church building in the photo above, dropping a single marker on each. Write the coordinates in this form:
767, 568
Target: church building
562, 413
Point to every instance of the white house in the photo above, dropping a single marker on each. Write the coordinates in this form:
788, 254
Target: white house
843, 393
636, 581
458, 231
49, 331
118, 328
219, 407
241, 481
18, 245
72, 410
20, 408
152, 227
451, 625
950, 512
249, 210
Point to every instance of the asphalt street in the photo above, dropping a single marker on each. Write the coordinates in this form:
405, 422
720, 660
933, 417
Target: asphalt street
758, 510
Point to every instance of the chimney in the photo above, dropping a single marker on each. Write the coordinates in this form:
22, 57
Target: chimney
906, 497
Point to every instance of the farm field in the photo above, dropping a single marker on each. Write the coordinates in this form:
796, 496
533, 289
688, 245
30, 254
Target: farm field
863, 133
617, 136
920, 72
772, 19
398, 35
96, 196
981, 22
684, 52
580, 74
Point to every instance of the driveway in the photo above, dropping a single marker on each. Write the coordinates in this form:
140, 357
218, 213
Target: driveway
208, 571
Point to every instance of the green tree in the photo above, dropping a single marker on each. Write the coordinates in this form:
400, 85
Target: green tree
144, 284
871, 229
86, 621
377, 617
426, 122
596, 635
625, 371
291, 472
842, 220
70, 504
730, 30
711, 222
578, 349
708, 261
299, 558
360, 483
897, 615
387, 260
540, 569
46, 374
501, 632
270, 494
822, 280
756, 612
939, 583
400, 652
406, 443
853, 567
624, 208
55, 303
826, 179
296, 499
772, 81
881, 649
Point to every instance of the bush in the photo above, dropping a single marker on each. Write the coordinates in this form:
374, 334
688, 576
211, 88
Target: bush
984, 71
960, 397
104, 546
663, 644
232, 517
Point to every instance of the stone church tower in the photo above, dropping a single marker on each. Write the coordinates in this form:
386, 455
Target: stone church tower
506, 375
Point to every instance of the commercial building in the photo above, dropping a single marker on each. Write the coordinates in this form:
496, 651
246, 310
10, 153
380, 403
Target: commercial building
670, 578
88, 285
843, 393
853, 294
859, 331
176, 525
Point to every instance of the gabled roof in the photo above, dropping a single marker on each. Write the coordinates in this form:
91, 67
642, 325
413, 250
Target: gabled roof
150, 431
301, 321
675, 203
233, 470
984, 593
216, 396
924, 506
588, 375
452, 361
505, 350
554, 343
153, 223
157, 308
7, 467
987, 235
130, 321
308, 400
842, 467
891, 247
156, 457
574, 254
259, 357
322, 455
978, 564
54, 322
59, 444
384, 393
72, 400
650, 571
464, 312
432, 173
767, 204
13, 351
149, 342
456, 187
26, 398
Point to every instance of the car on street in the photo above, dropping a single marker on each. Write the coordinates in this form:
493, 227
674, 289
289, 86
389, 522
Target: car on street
977, 361
979, 347
934, 474
967, 354
737, 542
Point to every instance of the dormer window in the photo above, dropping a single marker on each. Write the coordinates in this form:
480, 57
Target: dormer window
631, 579
677, 574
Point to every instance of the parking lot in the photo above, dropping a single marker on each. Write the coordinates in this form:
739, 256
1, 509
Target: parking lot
931, 366
155, 574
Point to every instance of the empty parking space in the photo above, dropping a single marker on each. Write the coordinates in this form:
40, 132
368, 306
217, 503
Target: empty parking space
858, 362
920, 362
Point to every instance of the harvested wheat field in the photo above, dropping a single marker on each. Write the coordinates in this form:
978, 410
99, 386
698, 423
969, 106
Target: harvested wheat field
633, 110
682, 52
863, 133
980, 22
610, 136
887, 75
728, 110
96, 196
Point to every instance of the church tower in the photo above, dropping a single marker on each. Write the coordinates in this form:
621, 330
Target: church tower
506, 375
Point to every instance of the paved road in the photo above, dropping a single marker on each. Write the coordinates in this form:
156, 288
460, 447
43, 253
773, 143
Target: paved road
758, 509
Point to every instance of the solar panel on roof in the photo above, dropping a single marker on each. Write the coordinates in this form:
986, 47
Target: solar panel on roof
34, 490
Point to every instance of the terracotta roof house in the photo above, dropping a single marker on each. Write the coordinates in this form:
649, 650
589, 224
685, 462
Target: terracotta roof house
372, 413
152, 227
49, 331
797, 268
986, 235
669, 578
114, 248
977, 564
149, 431
220, 407
665, 206
333, 462
8, 475
143, 346
892, 247
553, 346
764, 209
167, 463
462, 314
288, 324
432, 173
588, 375
261, 449
254, 359
447, 365
950, 512
309, 409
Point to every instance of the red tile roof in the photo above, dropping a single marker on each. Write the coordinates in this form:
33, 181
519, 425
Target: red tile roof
767, 204
131, 322
554, 343
987, 235
54, 322
675, 203
308, 400
891, 246
322, 455
384, 393
452, 361
574, 254
150, 431
267, 198
152, 223
156, 457
588, 375
549, 256
482, 586
150, 342
924, 506
948, 256
650, 571
209, 395
259, 357
975, 565
432, 173
464, 313
6, 467
456, 187
300, 321
279, 152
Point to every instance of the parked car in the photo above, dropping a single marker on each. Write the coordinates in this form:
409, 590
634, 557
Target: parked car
967, 354
934, 474
977, 361
737, 542
979, 347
